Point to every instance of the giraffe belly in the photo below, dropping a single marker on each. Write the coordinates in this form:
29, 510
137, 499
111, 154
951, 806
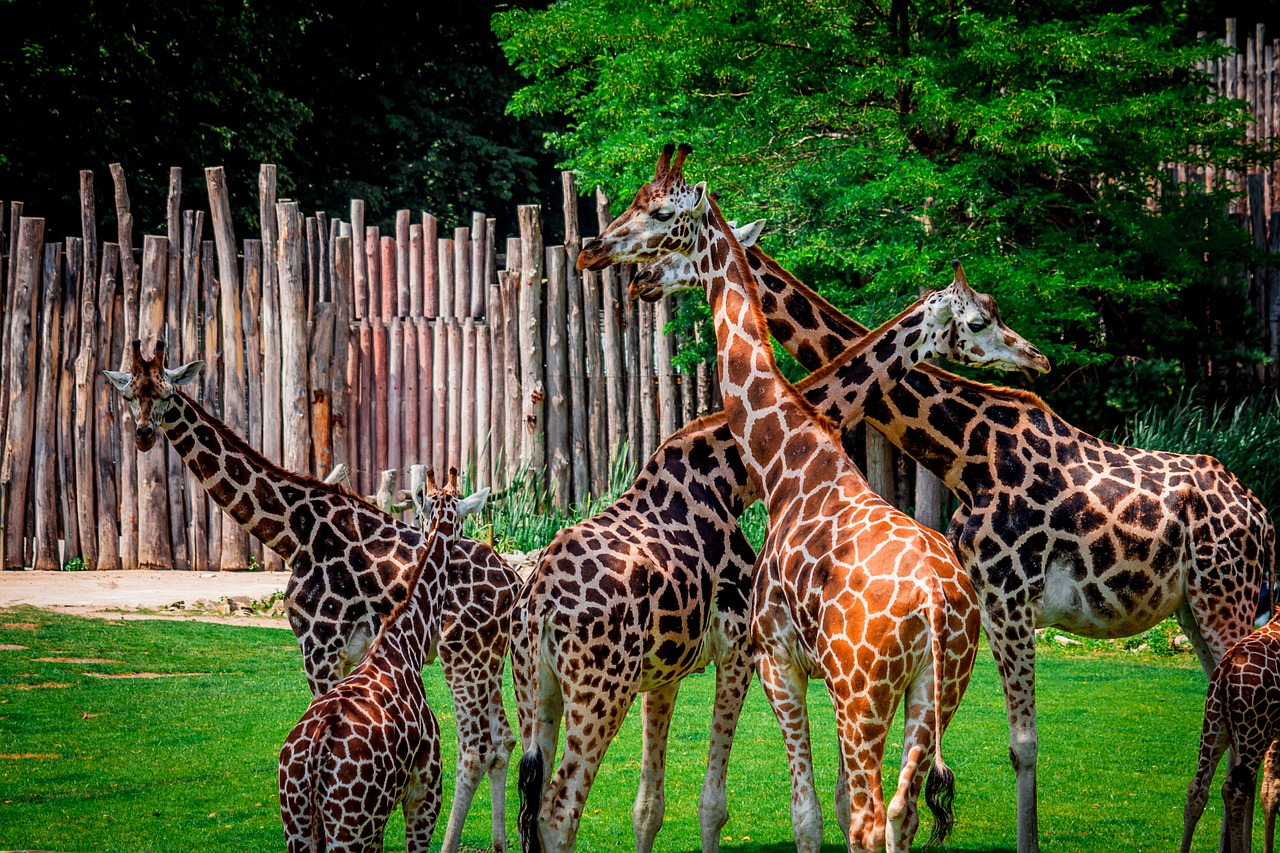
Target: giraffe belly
1123, 601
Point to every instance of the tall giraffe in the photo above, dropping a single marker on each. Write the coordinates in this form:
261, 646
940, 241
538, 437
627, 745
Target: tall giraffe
372, 742
1056, 527
847, 588
349, 565
1241, 711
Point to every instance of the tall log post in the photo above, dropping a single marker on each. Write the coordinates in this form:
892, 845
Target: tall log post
68, 474
413, 391
106, 398
598, 418
454, 404
430, 268
580, 406
320, 377
636, 374
293, 338
357, 358
45, 441
378, 368
409, 454
86, 368
444, 277
172, 335
402, 249
210, 314
342, 350
467, 427
533, 435
479, 242
394, 354
513, 431
880, 473
251, 277
272, 412
128, 466
497, 384
426, 396
27, 258
154, 547
197, 510
440, 394
615, 369
484, 419
461, 274
559, 472
668, 403
10, 285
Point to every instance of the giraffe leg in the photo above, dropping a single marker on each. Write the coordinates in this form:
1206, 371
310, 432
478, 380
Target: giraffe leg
918, 733
1213, 743
656, 708
786, 686
842, 801
1237, 799
1013, 646
423, 794
473, 743
862, 726
589, 729
733, 678
1270, 796
503, 743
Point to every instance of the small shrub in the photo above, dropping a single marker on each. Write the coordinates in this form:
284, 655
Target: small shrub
75, 564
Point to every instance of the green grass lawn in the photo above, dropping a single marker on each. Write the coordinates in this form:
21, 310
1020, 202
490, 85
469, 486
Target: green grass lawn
189, 762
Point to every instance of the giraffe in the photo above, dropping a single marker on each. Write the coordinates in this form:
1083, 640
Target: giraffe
372, 742
349, 563
475, 632
1242, 710
846, 587
1056, 527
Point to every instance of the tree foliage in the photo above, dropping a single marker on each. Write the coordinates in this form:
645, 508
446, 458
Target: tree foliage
882, 138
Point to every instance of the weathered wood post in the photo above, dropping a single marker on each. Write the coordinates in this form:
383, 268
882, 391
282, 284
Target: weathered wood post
484, 419
105, 398
86, 375
467, 422
212, 376
68, 476
533, 435
45, 441
439, 393
196, 511
293, 338
579, 395
342, 349
177, 472
394, 353
154, 547
559, 471
615, 370
27, 258
128, 460
668, 401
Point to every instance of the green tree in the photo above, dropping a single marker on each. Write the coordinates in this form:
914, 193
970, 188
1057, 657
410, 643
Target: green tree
881, 139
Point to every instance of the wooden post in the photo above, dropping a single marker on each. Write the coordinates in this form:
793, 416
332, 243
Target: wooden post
598, 418
27, 257
484, 414
468, 421
430, 268
461, 273
497, 384
668, 404
478, 244
358, 360
636, 374
86, 367
426, 397
440, 394
251, 311
272, 413
128, 465
688, 385
172, 336
444, 277
154, 548
533, 434
453, 428
389, 363
414, 450
106, 398
402, 249
235, 539
320, 376
378, 401
311, 263
69, 481
559, 473
293, 338
511, 428
10, 285
409, 393
197, 509
579, 408
212, 375
615, 369
342, 350
705, 372
880, 466
45, 441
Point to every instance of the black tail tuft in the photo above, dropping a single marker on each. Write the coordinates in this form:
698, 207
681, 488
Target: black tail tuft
939, 794
530, 788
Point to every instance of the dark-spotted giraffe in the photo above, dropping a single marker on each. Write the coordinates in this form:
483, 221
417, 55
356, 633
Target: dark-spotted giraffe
349, 564
371, 742
1242, 712
1056, 527
475, 632
847, 588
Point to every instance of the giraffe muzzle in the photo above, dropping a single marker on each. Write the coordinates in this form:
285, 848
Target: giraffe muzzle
593, 256
145, 437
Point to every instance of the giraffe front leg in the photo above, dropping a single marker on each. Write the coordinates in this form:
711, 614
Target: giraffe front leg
786, 686
473, 742
1270, 796
503, 743
424, 793
1237, 799
733, 678
656, 708
1013, 646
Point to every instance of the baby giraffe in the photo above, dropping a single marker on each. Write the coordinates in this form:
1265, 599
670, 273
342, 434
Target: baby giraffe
1242, 711
847, 588
371, 742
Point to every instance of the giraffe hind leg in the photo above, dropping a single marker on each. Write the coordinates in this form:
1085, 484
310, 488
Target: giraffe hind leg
656, 708
786, 687
733, 678
1270, 796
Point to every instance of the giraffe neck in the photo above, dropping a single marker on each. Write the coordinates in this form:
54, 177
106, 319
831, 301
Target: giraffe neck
258, 494
411, 629
776, 429
926, 414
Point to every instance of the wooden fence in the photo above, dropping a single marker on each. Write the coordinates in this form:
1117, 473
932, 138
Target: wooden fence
327, 342
324, 342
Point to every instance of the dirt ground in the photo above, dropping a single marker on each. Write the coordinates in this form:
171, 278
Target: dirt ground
150, 595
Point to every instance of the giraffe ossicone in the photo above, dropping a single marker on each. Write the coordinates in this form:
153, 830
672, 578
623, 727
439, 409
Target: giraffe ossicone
846, 588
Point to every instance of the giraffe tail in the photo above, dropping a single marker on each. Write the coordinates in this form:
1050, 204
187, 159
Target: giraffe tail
530, 787
940, 786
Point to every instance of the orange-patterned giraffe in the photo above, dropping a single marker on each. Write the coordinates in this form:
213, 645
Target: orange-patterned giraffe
846, 588
1056, 527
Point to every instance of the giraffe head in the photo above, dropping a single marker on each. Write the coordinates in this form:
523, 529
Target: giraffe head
965, 327
432, 503
674, 272
149, 387
662, 218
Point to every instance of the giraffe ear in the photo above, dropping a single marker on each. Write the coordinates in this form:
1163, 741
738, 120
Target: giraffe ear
473, 504
184, 375
700, 199
749, 233
118, 379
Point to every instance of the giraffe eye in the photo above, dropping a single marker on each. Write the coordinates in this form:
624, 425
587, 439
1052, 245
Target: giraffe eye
663, 214
978, 325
